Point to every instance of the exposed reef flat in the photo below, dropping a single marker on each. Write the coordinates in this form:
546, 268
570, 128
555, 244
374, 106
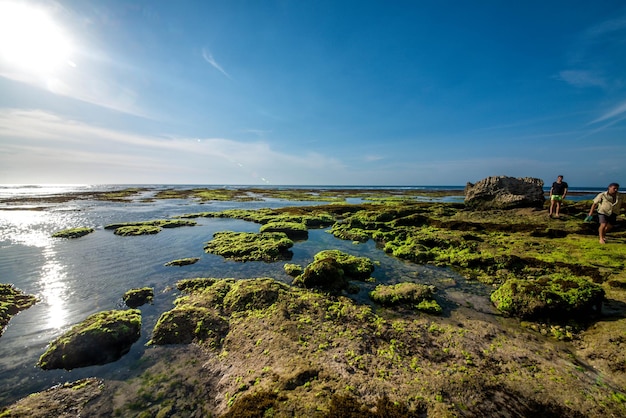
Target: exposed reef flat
257, 346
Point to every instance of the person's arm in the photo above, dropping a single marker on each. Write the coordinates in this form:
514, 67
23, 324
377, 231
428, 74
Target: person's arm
564, 193
592, 208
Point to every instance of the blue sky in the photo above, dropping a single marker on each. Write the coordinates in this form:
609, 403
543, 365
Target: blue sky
312, 92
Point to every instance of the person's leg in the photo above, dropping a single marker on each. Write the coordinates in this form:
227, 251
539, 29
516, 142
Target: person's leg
558, 207
602, 232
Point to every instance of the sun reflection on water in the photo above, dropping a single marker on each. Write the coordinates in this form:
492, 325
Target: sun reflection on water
54, 290
24, 227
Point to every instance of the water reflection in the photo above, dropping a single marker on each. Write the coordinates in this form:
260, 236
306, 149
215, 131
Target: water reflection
24, 227
53, 285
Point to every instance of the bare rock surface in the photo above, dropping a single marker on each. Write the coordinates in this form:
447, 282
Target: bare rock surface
502, 192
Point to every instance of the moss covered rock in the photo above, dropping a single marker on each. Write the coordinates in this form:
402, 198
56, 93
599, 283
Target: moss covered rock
293, 270
249, 246
101, 338
357, 268
420, 296
12, 301
137, 297
323, 273
133, 230
187, 323
294, 230
332, 269
554, 296
73, 232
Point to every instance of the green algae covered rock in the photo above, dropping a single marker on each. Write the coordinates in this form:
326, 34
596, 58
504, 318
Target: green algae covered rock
73, 232
332, 270
147, 227
554, 296
63, 400
137, 297
358, 268
418, 295
162, 223
294, 230
101, 338
133, 230
249, 246
187, 323
324, 273
12, 301
293, 270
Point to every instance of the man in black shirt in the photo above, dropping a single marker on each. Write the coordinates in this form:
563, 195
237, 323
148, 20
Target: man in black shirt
557, 194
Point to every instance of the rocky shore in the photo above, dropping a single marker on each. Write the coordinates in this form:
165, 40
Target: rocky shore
549, 341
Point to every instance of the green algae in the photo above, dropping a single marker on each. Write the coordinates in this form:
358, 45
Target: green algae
134, 230
182, 262
249, 246
286, 351
417, 295
310, 217
332, 269
147, 227
293, 230
73, 232
548, 297
12, 301
293, 270
101, 338
358, 268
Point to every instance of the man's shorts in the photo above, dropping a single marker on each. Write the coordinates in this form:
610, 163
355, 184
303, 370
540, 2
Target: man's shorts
556, 197
607, 219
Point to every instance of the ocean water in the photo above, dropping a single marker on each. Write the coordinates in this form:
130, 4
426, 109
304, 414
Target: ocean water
78, 277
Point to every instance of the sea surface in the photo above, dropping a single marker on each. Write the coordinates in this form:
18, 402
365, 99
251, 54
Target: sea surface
76, 278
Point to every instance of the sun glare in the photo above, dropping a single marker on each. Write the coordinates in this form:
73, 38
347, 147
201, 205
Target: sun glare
30, 40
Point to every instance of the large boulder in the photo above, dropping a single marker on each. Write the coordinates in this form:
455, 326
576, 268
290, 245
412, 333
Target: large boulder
502, 192
101, 338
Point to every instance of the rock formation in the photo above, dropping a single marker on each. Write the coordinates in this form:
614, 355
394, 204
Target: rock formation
501, 192
101, 338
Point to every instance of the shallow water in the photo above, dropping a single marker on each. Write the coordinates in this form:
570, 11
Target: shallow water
78, 277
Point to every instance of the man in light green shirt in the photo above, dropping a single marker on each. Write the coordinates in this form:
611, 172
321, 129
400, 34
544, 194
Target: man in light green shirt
609, 204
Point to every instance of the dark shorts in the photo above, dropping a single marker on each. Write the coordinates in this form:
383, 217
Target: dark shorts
607, 219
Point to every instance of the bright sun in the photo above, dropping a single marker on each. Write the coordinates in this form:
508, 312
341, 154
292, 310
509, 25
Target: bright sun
30, 40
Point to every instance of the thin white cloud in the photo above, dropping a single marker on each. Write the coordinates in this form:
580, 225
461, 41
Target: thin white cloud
582, 78
606, 27
613, 113
38, 146
208, 57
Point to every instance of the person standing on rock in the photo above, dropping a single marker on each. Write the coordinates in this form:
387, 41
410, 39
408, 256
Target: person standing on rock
557, 195
609, 204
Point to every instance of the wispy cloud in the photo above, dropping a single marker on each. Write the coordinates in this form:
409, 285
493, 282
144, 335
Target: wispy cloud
596, 58
582, 78
208, 57
39, 146
617, 112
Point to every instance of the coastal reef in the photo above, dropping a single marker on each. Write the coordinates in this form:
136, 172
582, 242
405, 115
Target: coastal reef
101, 338
12, 301
539, 329
259, 347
